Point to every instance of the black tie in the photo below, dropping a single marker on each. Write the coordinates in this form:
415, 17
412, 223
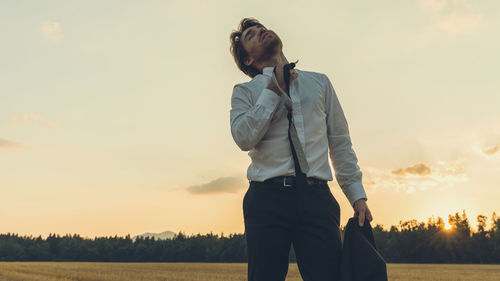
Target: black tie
300, 175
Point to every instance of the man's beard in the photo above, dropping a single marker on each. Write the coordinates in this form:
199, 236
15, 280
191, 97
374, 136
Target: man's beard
270, 50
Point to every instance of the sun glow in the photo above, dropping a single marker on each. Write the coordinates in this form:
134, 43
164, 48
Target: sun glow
447, 226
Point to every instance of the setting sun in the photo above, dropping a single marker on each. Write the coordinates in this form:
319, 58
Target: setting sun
447, 226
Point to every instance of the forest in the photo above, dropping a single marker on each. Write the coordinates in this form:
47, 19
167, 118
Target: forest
408, 242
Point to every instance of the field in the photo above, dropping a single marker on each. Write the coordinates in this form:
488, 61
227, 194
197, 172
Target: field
82, 271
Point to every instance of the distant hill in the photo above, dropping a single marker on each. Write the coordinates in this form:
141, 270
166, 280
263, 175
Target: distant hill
164, 235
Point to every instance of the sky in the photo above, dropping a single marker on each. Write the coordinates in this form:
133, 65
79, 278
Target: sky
114, 115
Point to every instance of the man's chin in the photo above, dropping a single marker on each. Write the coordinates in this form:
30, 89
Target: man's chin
271, 50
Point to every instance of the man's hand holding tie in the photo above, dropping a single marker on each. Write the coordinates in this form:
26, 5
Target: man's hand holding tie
279, 74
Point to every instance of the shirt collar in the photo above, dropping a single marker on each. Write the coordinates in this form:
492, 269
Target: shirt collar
268, 71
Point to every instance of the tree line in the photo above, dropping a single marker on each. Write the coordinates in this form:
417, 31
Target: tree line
408, 242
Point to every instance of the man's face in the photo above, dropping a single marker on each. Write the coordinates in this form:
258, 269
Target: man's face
260, 43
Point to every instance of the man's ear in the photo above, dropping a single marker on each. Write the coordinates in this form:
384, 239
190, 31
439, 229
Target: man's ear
248, 61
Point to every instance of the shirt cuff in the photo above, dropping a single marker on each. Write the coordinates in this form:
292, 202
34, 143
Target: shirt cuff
268, 99
354, 192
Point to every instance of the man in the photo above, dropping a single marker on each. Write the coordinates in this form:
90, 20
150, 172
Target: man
278, 209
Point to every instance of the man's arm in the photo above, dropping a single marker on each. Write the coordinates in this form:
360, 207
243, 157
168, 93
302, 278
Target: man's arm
344, 160
249, 123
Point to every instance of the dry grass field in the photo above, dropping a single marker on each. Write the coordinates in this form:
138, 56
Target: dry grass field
83, 271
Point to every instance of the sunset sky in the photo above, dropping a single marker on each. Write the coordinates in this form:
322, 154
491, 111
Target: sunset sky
114, 115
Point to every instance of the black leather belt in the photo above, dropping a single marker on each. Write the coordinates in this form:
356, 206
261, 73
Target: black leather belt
289, 181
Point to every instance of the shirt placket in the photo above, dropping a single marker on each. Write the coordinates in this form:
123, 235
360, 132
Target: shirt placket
298, 117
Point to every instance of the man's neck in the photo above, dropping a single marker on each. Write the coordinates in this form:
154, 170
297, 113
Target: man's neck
278, 59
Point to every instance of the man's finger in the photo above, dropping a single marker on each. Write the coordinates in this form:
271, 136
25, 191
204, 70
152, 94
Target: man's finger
369, 215
361, 218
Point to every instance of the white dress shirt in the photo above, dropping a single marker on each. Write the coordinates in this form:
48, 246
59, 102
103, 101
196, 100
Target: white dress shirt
259, 125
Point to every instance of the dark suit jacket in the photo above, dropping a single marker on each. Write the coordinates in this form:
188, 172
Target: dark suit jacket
360, 259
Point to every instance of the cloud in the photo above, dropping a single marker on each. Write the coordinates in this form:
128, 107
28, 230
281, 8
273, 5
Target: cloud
51, 31
460, 21
417, 177
417, 169
453, 16
7, 144
491, 150
31, 120
219, 185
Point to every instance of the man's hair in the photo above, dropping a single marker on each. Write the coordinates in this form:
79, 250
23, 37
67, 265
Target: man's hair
239, 53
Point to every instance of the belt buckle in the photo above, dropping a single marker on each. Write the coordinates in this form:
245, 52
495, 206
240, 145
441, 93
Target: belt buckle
284, 182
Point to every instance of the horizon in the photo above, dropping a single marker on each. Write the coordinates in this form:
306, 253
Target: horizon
447, 227
115, 118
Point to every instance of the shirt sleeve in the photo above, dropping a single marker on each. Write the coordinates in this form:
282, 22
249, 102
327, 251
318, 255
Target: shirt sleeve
249, 123
344, 160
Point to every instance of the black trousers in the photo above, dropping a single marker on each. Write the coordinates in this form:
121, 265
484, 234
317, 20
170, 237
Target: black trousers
306, 216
